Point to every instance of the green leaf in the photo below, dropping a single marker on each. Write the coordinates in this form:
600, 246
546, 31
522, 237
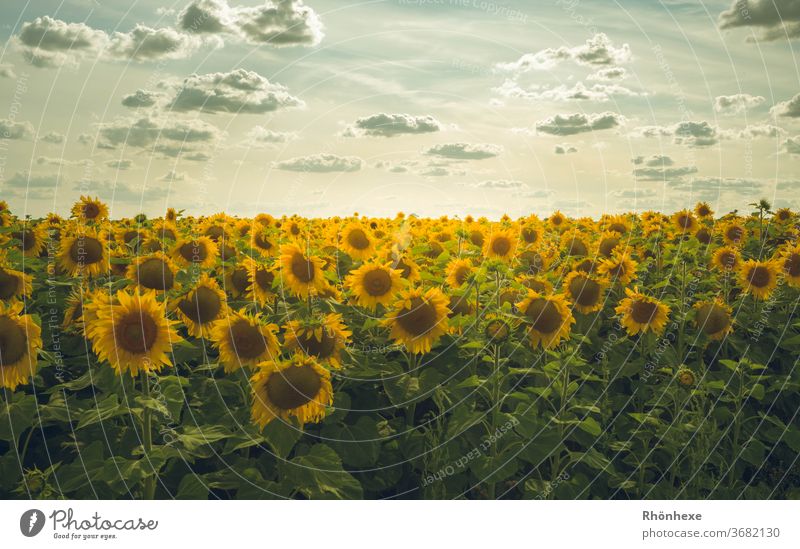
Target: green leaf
194, 437
106, 409
591, 426
358, 445
192, 487
281, 436
319, 475
754, 452
16, 416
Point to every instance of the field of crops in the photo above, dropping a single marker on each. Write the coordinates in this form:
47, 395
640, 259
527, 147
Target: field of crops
631, 356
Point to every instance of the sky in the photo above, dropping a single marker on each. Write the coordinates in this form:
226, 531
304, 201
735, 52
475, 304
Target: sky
431, 107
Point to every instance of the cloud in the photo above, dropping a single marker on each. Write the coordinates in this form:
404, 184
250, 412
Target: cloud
391, 125
689, 133
10, 129
598, 51
663, 173
172, 176
171, 137
735, 104
500, 184
401, 167
51, 161
22, 180
653, 160
576, 92
608, 74
465, 151
792, 145
146, 44
761, 130
7, 71
277, 23
54, 138
776, 18
634, 194
141, 98
120, 191
789, 108
238, 91
564, 148
714, 186
571, 124
436, 171
119, 164
260, 136
321, 163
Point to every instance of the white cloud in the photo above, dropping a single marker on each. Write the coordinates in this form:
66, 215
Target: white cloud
321, 163
792, 145
689, 133
119, 164
776, 19
654, 160
500, 184
737, 103
465, 151
54, 138
141, 98
10, 129
663, 173
238, 91
634, 194
260, 136
561, 93
7, 71
391, 125
608, 74
571, 124
761, 130
789, 108
146, 44
168, 136
598, 51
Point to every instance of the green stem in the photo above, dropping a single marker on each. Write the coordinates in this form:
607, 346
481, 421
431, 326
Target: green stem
147, 438
495, 415
412, 407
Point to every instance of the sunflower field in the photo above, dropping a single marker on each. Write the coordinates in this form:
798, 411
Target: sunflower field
627, 357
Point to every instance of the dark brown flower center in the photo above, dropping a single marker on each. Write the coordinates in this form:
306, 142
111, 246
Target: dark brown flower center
215, 232
404, 267
27, 237
459, 305
434, 249
86, 250
685, 221
9, 284
358, 239
226, 251
607, 245
585, 291
239, 279
13, 341
728, 260
533, 260
544, 315
501, 245
202, 306
90, 210
734, 233
303, 269
530, 235
759, 277
136, 332
194, 252
703, 236
262, 242
419, 319
643, 312
576, 247
318, 348
792, 264
712, 318
460, 274
377, 282
617, 228
264, 278
247, 340
476, 237
703, 211
293, 387
155, 274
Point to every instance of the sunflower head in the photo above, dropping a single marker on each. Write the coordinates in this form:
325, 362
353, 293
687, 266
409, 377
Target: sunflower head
734, 233
759, 278
14, 284
83, 253
585, 291
684, 222
243, 340
31, 238
202, 307
574, 244
790, 261
418, 319
549, 318
713, 318
153, 272
500, 244
459, 272
200, 252
727, 259
89, 209
356, 241
322, 338
301, 272
685, 377
703, 210
20, 341
260, 278
641, 313
374, 284
619, 268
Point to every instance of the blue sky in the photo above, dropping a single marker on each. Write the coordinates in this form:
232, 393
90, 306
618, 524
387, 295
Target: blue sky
426, 106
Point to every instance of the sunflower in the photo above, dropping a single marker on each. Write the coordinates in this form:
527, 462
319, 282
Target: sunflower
73, 310
201, 252
585, 291
131, 236
642, 313
83, 254
531, 233
618, 268
703, 210
703, 235
300, 272
574, 244
609, 241
14, 284
684, 222
261, 241
243, 340
202, 307
791, 265
534, 261
153, 272
759, 278
32, 239
133, 334
458, 272
90, 209
297, 387
713, 318
734, 233
164, 230
500, 244
374, 284
357, 242
549, 317
237, 280
557, 220
783, 215
476, 237
20, 341
726, 259
408, 268
171, 216
321, 338
617, 224
260, 278
418, 319
685, 377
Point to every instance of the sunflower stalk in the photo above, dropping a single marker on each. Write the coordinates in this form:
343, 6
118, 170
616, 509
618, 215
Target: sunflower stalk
147, 437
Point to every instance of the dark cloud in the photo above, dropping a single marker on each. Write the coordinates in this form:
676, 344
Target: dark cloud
141, 98
792, 145
663, 173
565, 149
10, 129
775, 19
54, 138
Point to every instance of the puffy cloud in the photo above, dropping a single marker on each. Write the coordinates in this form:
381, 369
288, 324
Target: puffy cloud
608, 74
391, 125
571, 124
789, 108
761, 130
238, 91
7, 71
54, 138
436, 171
173, 175
689, 133
277, 23
500, 184
737, 103
47, 42
792, 145
10, 129
119, 164
146, 44
654, 160
321, 163
141, 98
776, 18
401, 167
565, 149
168, 136
576, 92
598, 51
260, 136
51, 161
465, 151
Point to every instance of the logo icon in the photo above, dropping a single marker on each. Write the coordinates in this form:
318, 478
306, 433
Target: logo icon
31, 523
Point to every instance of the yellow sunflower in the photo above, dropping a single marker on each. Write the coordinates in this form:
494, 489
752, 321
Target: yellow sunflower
374, 284
531, 233
73, 310
684, 222
713, 318
301, 273
201, 252
89, 209
357, 242
202, 307
321, 338
585, 291
297, 387
418, 319
617, 224
549, 317
726, 259
260, 278
404, 263
133, 334
557, 221
14, 284
703, 210
83, 254
608, 242
641, 313
237, 280
759, 278
734, 233
574, 244
783, 215
20, 341
261, 241
500, 244
790, 258
458, 272
153, 272
32, 239
618, 268
243, 340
